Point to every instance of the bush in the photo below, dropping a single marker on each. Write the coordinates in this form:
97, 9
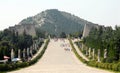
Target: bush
115, 67
109, 60
22, 65
119, 66
110, 66
3, 67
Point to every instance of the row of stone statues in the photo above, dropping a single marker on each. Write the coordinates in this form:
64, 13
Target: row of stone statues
91, 52
27, 52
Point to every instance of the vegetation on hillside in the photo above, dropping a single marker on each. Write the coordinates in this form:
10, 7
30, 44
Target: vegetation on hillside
55, 22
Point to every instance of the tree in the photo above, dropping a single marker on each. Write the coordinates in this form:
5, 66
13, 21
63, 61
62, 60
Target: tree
63, 35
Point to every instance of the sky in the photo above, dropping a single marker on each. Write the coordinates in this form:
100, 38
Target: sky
102, 12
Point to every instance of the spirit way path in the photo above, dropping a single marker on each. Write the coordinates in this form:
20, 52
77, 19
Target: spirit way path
58, 60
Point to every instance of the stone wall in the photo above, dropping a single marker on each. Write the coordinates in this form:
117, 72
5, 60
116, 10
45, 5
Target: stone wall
28, 28
87, 28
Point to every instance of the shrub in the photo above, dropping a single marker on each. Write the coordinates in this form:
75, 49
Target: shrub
3, 67
109, 60
110, 66
119, 66
115, 67
22, 65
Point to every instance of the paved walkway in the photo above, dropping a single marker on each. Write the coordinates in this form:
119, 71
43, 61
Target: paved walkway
59, 59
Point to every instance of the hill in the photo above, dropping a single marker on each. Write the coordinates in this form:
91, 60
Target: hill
54, 21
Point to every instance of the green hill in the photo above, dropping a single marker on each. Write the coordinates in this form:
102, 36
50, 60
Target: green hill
54, 21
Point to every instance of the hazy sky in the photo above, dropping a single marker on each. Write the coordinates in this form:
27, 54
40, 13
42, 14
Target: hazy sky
103, 12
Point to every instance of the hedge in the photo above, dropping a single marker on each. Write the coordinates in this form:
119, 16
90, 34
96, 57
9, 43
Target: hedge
14, 66
107, 66
77, 55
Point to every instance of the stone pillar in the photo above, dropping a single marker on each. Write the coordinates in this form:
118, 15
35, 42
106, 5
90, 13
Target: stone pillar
105, 53
12, 54
49, 37
93, 54
89, 52
32, 47
28, 52
24, 53
98, 55
31, 51
35, 47
86, 51
82, 46
19, 54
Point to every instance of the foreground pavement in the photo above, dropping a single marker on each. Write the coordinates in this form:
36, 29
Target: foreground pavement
59, 58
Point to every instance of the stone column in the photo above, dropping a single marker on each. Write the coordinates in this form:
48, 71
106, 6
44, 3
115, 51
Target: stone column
89, 52
31, 51
98, 55
28, 52
105, 53
35, 46
82, 46
12, 54
93, 54
49, 37
86, 51
19, 54
24, 53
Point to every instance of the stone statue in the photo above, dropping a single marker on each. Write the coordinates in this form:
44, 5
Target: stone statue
24, 53
98, 55
89, 52
105, 53
93, 54
27, 52
12, 54
19, 53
